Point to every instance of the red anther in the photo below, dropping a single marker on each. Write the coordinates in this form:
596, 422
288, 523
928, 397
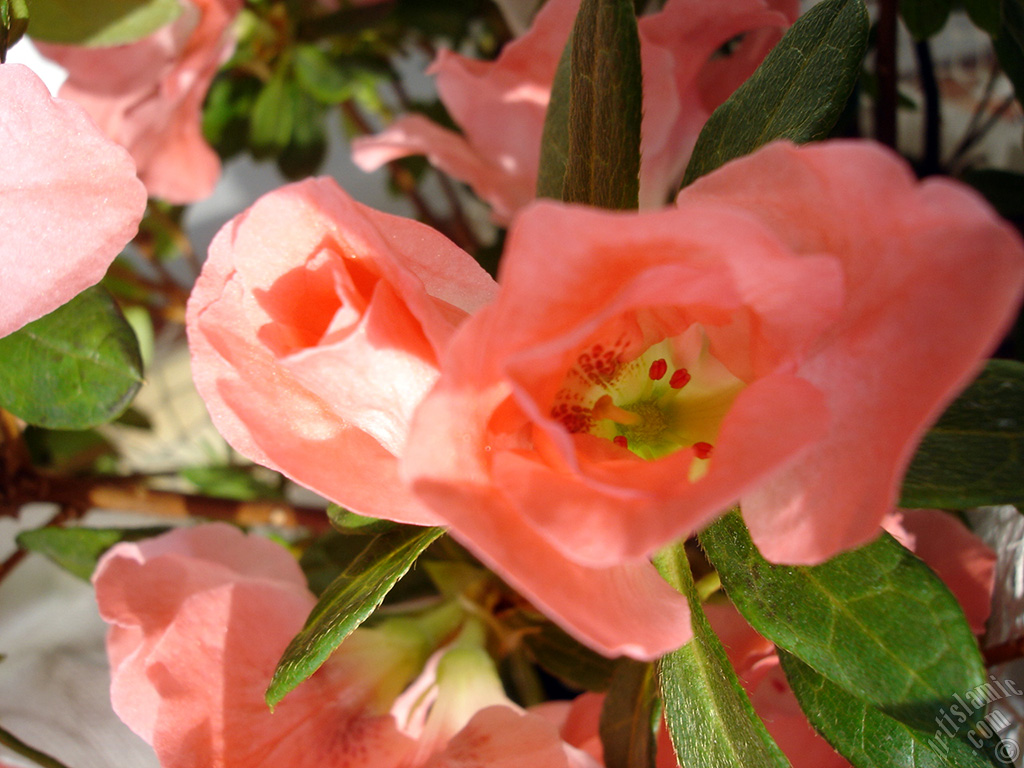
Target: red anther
703, 450
679, 379
621, 441
658, 369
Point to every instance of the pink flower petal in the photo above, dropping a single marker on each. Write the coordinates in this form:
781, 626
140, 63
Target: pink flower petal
207, 629
933, 278
148, 95
500, 106
69, 200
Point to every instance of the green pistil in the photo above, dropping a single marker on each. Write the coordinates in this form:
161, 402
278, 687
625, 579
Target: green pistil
653, 434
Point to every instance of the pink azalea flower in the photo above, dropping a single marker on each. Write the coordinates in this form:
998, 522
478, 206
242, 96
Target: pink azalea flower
147, 96
199, 618
69, 200
500, 105
315, 330
781, 338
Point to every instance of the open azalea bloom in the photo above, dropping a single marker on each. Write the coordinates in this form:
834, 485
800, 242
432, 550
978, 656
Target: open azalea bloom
782, 338
315, 330
63, 223
147, 96
500, 106
199, 618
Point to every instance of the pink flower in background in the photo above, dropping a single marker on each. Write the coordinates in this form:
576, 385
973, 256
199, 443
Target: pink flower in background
782, 338
500, 105
199, 618
69, 199
315, 330
147, 96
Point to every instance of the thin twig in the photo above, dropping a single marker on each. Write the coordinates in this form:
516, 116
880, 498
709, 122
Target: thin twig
134, 496
932, 114
885, 71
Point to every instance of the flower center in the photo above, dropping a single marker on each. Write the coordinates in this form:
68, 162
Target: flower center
673, 396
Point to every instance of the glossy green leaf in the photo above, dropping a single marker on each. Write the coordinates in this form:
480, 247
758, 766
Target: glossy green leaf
797, 93
874, 620
74, 368
605, 107
99, 22
710, 719
974, 455
925, 17
554, 143
870, 739
347, 602
77, 550
630, 716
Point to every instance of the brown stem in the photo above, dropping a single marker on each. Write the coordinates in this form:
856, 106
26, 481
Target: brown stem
885, 71
131, 495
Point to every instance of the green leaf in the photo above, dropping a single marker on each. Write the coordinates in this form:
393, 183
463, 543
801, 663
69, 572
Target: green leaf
554, 142
986, 14
273, 115
709, 717
925, 17
797, 93
630, 716
99, 22
230, 482
1013, 21
19, 747
974, 455
605, 107
74, 368
350, 522
13, 23
77, 550
875, 620
1009, 50
564, 657
321, 76
347, 602
870, 739
307, 145
1004, 190
229, 105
